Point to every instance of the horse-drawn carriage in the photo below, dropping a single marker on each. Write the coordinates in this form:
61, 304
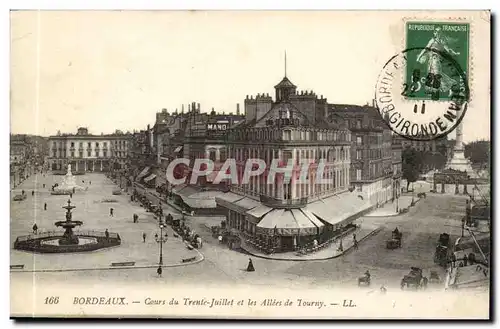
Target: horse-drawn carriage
415, 278
365, 280
441, 256
20, 197
421, 195
434, 277
395, 241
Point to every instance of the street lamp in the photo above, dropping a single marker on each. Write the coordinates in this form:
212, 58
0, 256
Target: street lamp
161, 239
412, 193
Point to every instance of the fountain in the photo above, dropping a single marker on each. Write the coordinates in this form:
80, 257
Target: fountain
69, 241
68, 185
68, 237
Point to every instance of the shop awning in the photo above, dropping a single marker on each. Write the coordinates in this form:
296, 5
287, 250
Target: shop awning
142, 173
228, 199
187, 191
161, 177
199, 203
305, 225
259, 211
313, 218
339, 209
247, 203
150, 177
178, 149
288, 223
178, 188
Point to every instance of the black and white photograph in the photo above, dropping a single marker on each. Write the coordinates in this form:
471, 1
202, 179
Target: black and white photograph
250, 164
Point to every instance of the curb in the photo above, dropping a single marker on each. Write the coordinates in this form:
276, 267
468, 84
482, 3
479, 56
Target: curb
372, 233
202, 258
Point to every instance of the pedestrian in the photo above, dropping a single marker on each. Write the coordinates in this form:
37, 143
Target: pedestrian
107, 234
111, 212
453, 259
35, 229
45, 206
74, 190
156, 236
43, 185
32, 193
90, 182
341, 247
22, 192
71, 195
355, 244
383, 289
144, 237
250, 267
159, 271
465, 260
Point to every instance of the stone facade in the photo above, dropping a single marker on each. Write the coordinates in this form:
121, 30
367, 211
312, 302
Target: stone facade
87, 152
371, 168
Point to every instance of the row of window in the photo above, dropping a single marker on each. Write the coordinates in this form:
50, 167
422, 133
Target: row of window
330, 154
89, 144
289, 135
336, 179
80, 154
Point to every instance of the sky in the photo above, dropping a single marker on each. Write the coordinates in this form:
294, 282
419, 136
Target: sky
109, 70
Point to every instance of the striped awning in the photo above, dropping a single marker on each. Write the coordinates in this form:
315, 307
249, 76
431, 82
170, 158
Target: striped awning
259, 211
290, 222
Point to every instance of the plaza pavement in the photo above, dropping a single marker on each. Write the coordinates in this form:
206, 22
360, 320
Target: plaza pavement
95, 216
223, 267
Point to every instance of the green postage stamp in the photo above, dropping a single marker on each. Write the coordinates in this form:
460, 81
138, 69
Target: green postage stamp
439, 52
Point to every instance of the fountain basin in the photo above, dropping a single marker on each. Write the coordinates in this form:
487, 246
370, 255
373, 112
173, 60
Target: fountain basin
48, 242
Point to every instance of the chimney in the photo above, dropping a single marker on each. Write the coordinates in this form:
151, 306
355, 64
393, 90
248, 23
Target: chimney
189, 107
374, 103
198, 107
237, 108
182, 108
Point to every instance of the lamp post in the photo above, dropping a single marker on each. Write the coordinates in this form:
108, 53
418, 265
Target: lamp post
161, 239
412, 193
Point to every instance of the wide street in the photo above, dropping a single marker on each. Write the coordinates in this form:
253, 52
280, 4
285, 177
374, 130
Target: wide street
421, 227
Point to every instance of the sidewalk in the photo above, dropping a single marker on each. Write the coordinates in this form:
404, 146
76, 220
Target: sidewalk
389, 209
328, 253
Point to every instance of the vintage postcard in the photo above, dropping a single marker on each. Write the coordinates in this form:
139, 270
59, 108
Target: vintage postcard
250, 164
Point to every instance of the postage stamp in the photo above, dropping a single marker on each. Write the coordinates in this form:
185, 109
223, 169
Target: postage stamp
429, 76
153, 175
423, 92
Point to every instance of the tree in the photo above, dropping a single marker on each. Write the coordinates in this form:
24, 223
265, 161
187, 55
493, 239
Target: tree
412, 165
478, 152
